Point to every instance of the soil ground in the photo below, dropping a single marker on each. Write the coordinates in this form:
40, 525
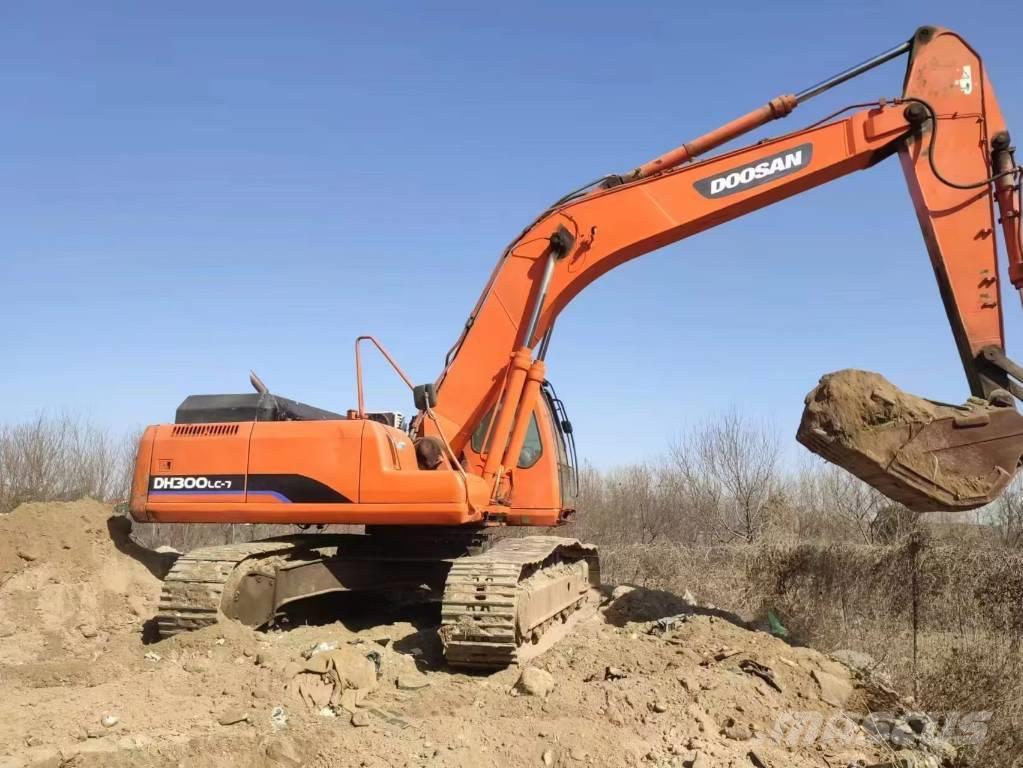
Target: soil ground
85, 685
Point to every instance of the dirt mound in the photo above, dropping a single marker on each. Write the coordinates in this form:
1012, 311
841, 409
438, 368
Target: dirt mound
697, 689
849, 402
65, 584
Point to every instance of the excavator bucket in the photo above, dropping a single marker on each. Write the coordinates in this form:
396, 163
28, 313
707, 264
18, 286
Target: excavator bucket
926, 455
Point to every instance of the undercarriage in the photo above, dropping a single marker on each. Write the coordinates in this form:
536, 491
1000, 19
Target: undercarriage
502, 600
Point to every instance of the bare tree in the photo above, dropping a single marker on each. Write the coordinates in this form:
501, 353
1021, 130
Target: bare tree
644, 503
730, 468
57, 458
644, 511
1006, 514
835, 505
894, 522
125, 463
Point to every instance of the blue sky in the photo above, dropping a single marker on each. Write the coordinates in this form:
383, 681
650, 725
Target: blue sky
193, 189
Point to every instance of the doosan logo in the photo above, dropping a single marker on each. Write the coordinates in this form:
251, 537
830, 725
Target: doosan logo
746, 176
191, 483
758, 171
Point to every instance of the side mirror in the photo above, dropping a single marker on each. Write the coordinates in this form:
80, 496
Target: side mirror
566, 426
424, 396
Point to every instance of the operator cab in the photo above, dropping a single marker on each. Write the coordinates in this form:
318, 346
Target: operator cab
543, 434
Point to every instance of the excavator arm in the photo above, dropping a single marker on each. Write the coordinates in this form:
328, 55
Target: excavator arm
951, 139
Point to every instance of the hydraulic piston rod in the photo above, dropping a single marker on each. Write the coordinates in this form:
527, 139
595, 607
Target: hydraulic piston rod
774, 109
849, 74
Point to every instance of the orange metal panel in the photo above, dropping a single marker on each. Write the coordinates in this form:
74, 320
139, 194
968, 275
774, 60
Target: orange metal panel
958, 224
187, 451
328, 452
387, 481
140, 476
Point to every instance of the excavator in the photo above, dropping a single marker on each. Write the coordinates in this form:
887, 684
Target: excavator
490, 444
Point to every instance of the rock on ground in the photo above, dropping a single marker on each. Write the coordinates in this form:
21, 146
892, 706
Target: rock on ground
535, 682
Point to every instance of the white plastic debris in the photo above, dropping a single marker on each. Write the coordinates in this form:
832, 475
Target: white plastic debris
319, 648
278, 717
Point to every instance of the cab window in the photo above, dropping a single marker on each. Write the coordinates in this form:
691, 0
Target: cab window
532, 446
481, 432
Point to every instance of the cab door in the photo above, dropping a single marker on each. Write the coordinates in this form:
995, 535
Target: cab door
564, 443
543, 481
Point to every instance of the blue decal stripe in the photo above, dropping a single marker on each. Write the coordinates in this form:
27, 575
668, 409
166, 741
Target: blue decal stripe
275, 494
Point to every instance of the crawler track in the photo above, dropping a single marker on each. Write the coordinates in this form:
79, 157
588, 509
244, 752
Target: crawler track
194, 587
515, 600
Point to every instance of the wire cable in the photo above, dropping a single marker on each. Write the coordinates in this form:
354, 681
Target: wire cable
578, 192
849, 108
934, 168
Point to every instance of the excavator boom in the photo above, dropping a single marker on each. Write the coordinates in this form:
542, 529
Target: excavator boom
951, 139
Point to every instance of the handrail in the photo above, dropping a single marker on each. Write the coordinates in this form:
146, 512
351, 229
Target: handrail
358, 370
456, 464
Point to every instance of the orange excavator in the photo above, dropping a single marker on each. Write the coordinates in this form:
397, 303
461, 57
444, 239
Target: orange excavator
491, 445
